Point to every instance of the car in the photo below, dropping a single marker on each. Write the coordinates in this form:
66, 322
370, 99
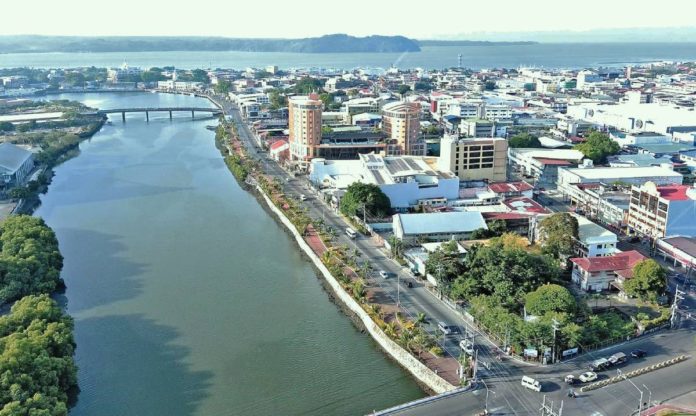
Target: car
531, 384
638, 353
588, 377
570, 379
600, 364
444, 328
303, 197
467, 346
618, 358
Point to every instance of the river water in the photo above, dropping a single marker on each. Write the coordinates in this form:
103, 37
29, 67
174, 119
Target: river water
548, 55
188, 298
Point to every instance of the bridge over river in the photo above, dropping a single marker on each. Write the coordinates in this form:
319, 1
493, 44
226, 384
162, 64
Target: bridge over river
148, 110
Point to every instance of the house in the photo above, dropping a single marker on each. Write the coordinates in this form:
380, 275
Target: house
280, 150
594, 274
511, 189
15, 164
594, 240
439, 226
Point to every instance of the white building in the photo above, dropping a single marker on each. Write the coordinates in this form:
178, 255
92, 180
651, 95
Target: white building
440, 226
630, 175
595, 240
408, 181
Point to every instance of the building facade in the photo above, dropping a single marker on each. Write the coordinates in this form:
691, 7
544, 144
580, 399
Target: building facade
401, 124
304, 125
474, 158
662, 211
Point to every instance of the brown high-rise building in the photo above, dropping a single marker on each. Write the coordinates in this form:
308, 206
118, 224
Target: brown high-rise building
401, 124
304, 123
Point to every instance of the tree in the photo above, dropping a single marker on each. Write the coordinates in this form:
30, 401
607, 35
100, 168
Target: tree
497, 227
597, 146
550, 298
524, 140
368, 196
75, 79
445, 264
222, 86
276, 99
403, 89
558, 234
648, 281
489, 85
481, 234
152, 75
6, 126
397, 246
307, 85
18, 193
200, 75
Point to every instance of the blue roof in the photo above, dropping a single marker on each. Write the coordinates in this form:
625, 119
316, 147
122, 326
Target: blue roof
441, 222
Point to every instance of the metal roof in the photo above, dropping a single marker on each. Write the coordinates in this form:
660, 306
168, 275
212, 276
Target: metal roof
12, 157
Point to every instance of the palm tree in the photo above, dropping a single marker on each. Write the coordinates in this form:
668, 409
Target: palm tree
390, 329
420, 318
358, 288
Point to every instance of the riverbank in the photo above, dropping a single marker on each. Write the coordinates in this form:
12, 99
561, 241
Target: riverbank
399, 337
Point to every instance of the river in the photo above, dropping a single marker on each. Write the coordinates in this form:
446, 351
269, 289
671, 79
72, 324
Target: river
188, 298
547, 55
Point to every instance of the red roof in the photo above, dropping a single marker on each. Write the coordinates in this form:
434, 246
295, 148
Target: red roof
506, 187
588, 185
621, 263
674, 192
524, 205
576, 139
278, 144
547, 161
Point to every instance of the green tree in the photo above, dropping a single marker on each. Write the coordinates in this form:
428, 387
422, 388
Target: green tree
397, 246
445, 264
307, 85
200, 75
648, 281
6, 126
276, 99
489, 85
18, 193
369, 196
403, 89
598, 146
550, 298
481, 234
524, 140
497, 227
558, 234
222, 86
75, 79
152, 75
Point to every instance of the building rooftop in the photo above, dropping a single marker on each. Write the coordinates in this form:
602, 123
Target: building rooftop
508, 187
597, 174
623, 262
440, 222
524, 205
591, 233
12, 157
674, 192
684, 244
560, 154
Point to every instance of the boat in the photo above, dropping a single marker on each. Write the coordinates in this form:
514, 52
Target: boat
211, 127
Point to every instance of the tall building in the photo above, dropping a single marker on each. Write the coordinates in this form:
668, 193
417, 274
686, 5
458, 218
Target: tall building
304, 124
662, 211
401, 124
474, 158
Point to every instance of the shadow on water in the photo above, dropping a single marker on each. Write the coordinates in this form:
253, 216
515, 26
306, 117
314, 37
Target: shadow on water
135, 368
96, 271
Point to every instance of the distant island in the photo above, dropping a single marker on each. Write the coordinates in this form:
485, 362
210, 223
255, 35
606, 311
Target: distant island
472, 43
337, 43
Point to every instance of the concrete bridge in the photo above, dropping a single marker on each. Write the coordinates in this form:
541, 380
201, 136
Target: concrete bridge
148, 110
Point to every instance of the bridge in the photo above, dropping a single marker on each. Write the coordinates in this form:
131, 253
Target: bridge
148, 110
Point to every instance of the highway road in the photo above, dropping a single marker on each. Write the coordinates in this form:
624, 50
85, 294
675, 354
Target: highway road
505, 394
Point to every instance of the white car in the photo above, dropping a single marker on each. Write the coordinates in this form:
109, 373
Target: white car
588, 377
383, 274
444, 328
303, 197
466, 346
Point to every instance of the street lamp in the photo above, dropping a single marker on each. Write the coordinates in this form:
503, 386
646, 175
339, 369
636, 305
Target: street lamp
649, 396
486, 386
640, 403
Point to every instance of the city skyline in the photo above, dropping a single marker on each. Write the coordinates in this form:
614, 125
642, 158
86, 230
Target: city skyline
309, 18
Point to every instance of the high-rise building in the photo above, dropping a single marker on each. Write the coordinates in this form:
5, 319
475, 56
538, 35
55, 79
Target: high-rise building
474, 158
401, 124
304, 123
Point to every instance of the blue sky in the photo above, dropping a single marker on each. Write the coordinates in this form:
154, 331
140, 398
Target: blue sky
300, 18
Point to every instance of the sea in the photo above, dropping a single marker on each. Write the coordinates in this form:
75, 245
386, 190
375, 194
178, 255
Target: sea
540, 55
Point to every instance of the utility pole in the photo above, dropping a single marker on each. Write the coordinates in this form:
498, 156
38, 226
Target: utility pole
547, 409
649, 396
678, 295
553, 349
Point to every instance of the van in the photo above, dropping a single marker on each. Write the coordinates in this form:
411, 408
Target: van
531, 384
351, 233
599, 365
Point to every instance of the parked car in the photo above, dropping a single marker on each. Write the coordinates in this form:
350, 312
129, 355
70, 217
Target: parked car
303, 197
570, 379
383, 274
588, 377
638, 353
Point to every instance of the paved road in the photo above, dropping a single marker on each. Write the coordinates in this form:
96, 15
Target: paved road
506, 395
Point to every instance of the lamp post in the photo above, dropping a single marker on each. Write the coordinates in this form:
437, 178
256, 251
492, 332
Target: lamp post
486, 386
640, 403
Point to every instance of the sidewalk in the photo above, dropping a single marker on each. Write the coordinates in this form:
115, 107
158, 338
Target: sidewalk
684, 404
